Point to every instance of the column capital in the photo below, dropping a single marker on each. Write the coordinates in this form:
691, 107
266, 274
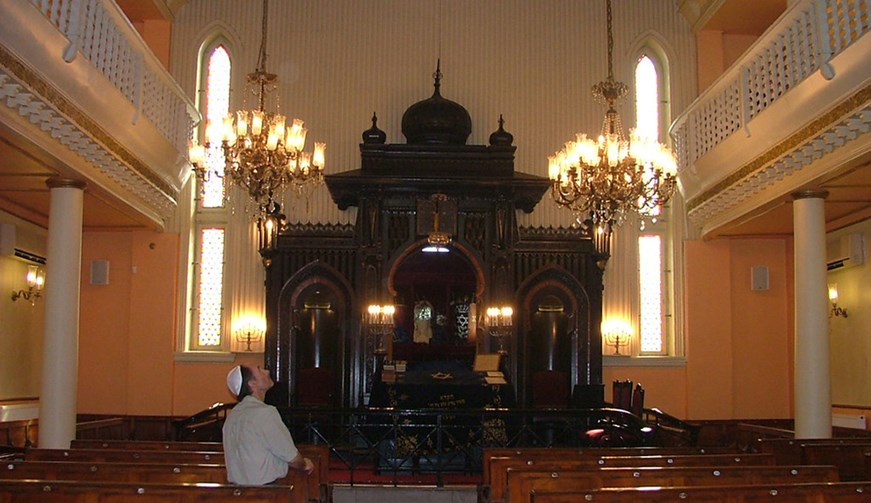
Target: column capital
810, 194
57, 182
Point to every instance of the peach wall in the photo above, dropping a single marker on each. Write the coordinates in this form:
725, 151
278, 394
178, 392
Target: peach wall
198, 386
709, 316
104, 324
738, 340
760, 330
157, 34
716, 52
127, 333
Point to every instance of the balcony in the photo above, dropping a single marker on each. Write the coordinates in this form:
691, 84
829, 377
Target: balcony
793, 113
83, 97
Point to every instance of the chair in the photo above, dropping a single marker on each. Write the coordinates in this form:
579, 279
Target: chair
315, 387
637, 407
550, 390
622, 395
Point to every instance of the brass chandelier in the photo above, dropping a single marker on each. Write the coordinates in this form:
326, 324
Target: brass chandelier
606, 179
262, 154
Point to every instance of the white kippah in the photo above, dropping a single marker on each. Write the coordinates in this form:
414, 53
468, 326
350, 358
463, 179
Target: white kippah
234, 380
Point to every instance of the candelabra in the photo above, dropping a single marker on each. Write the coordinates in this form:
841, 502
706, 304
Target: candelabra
248, 335
498, 321
379, 320
617, 340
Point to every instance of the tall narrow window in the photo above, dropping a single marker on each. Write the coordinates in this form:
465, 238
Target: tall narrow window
646, 98
208, 316
217, 107
650, 287
653, 240
210, 291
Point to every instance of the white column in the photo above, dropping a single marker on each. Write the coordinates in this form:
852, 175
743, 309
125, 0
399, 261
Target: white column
57, 401
813, 400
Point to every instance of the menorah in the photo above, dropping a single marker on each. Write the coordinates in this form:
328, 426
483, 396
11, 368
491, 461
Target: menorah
380, 322
499, 323
249, 334
617, 340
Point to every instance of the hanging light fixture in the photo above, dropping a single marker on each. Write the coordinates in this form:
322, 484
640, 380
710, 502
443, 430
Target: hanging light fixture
262, 154
606, 179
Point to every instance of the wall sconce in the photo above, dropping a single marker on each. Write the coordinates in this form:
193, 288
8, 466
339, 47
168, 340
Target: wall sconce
35, 282
248, 335
833, 298
379, 319
500, 324
617, 334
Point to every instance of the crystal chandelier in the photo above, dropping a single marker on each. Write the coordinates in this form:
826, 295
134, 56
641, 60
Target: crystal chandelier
604, 180
262, 154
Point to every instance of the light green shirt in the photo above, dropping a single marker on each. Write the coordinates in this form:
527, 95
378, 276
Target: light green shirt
257, 444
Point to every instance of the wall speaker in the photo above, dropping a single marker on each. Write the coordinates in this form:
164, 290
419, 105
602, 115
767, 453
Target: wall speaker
100, 272
759, 278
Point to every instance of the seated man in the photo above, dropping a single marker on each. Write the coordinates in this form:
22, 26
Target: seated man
258, 448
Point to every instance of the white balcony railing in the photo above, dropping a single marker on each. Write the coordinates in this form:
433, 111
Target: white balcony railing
99, 32
804, 40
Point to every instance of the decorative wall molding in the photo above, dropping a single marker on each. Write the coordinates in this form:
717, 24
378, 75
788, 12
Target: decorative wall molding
830, 131
30, 96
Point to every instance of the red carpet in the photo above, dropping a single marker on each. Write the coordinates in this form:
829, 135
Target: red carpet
366, 474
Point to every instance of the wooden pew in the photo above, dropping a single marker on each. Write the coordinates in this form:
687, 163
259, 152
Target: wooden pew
523, 481
49, 491
550, 452
160, 473
318, 453
852, 455
840, 492
499, 466
318, 482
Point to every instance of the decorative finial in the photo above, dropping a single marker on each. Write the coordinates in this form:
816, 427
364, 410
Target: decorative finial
500, 136
373, 134
437, 76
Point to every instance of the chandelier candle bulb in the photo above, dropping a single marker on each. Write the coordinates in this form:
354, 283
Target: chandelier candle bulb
241, 123
256, 123
319, 155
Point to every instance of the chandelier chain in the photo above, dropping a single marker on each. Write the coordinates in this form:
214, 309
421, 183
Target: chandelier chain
610, 44
261, 61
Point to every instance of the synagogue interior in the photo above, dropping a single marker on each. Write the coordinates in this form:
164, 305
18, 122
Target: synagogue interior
444, 227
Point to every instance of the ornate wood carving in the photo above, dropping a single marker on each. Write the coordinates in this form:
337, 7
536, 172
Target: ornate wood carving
511, 265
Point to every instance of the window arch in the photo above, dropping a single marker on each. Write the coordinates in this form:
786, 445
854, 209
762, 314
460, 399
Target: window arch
655, 283
210, 237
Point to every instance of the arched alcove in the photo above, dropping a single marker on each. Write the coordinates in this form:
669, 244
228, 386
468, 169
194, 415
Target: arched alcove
441, 279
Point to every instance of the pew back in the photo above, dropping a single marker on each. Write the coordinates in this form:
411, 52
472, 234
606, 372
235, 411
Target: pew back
852, 455
89, 443
48, 491
499, 482
840, 492
125, 455
550, 452
523, 481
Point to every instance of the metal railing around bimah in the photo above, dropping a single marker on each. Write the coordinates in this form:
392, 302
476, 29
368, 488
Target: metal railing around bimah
392, 443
